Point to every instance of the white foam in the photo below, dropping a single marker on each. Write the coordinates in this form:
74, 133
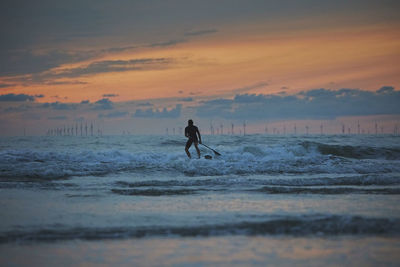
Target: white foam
242, 160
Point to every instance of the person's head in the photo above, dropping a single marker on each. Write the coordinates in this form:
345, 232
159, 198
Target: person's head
190, 122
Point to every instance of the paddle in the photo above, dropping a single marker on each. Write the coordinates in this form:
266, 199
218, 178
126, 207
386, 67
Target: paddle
216, 153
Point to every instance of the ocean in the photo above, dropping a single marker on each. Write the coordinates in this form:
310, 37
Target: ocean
129, 200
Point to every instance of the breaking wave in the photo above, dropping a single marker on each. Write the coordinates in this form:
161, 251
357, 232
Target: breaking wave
307, 225
356, 152
327, 190
153, 192
307, 158
223, 181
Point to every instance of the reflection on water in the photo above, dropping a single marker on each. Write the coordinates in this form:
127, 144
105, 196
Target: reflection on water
226, 251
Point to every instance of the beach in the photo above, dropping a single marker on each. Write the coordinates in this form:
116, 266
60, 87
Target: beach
128, 200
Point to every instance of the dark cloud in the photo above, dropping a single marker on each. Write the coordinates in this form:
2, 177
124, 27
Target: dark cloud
104, 103
119, 49
16, 98
64, 83
51, 77
20, 62
57, 118
116, 114
168, 43
317, 103
5, 85
215, 108
38, 66
26, 24
85, 102
22, 108
186, 99
386, 90
164, 113
110, 95
202, 32
109, 66
59, 106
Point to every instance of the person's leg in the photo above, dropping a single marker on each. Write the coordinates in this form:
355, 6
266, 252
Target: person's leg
188, 144
196, 145
187, 152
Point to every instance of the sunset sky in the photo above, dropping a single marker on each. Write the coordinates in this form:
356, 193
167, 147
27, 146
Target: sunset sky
151, 64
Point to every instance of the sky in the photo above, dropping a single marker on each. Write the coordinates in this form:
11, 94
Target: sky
145, 66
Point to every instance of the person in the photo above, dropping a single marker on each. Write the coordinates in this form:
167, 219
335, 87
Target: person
192, 132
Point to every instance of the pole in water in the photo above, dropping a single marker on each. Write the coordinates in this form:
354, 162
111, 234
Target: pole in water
216, 153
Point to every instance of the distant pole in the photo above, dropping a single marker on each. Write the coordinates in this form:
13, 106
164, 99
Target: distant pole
244, 128
342, 128
232, 128
295, 129
307, 128
358, 127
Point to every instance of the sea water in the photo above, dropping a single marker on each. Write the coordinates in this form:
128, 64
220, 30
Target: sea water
139, 201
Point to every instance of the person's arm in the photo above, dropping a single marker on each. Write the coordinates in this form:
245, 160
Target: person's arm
198, 133
186, 132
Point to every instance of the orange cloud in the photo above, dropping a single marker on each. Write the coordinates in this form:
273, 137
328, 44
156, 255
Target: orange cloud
353, 58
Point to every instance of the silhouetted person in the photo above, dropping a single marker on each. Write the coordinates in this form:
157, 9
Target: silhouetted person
192, 132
